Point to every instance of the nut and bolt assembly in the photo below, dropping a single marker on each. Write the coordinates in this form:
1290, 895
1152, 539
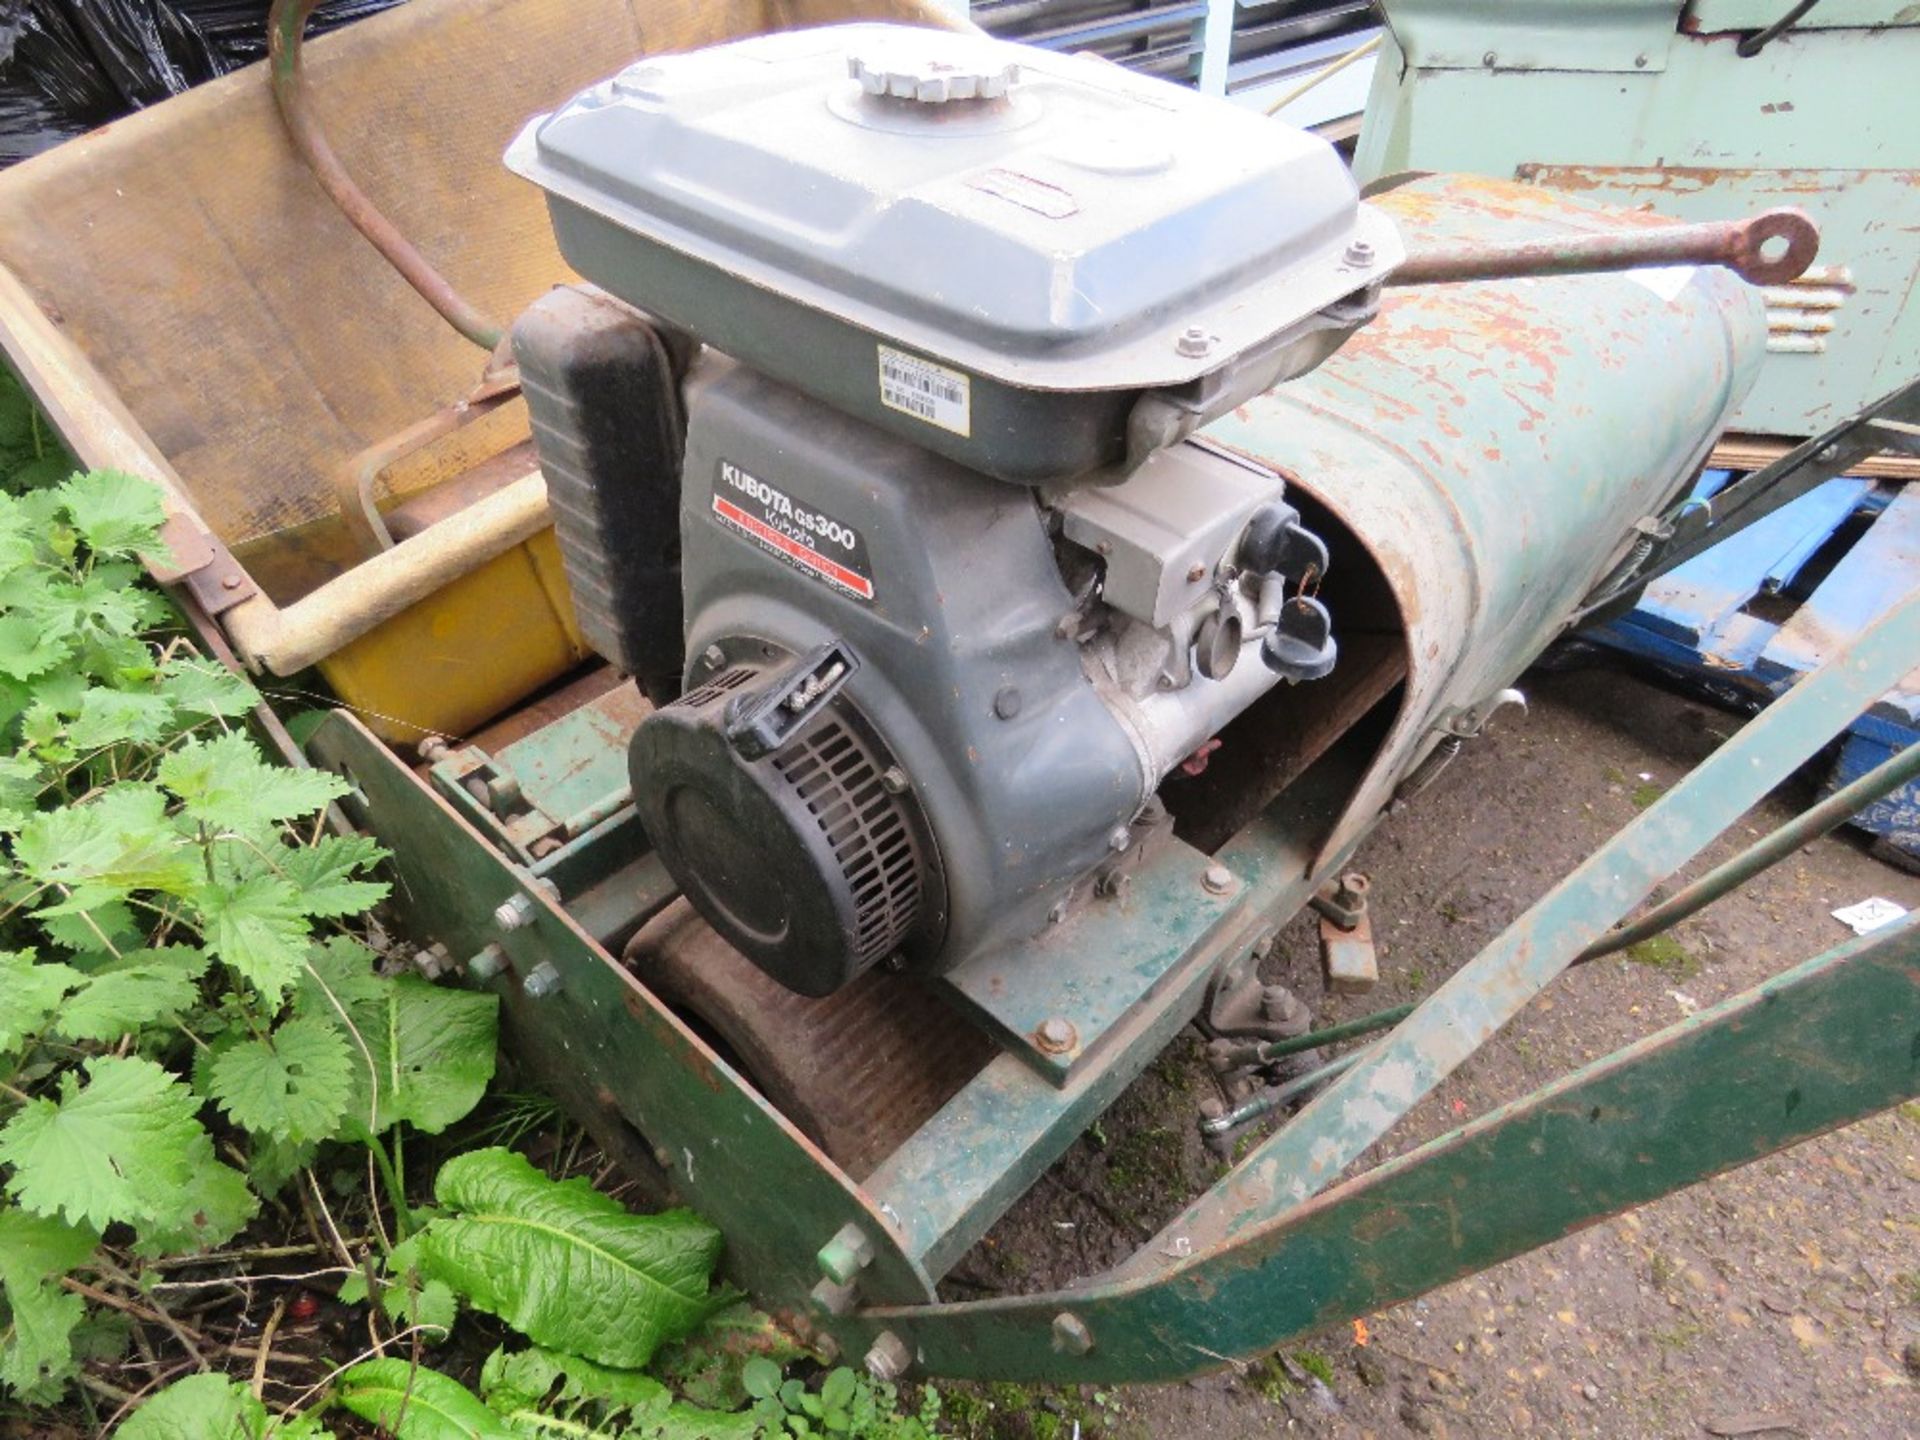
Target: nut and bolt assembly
1070, 1334
487, 963
1194, 342
832, 1299
1056, 1035
542, 981
889, 1358
514, 913
433, 961
1217, 880
1359, 254
843, 1257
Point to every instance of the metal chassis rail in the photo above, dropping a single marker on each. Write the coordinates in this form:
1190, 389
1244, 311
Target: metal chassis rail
1270, 1250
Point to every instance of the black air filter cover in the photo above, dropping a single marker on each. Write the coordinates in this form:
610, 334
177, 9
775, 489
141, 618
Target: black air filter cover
805, 859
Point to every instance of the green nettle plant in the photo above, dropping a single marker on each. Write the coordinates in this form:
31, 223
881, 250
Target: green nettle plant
193, 1030
184, 1018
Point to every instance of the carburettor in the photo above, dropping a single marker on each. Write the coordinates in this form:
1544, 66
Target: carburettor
872, 458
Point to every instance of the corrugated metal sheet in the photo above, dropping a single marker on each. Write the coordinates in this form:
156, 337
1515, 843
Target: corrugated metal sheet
1272, 45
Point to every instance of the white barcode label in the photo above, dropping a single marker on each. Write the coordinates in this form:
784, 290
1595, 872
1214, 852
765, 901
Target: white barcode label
926, 391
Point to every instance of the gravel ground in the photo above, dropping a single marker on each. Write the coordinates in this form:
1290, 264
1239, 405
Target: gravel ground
1777, 1300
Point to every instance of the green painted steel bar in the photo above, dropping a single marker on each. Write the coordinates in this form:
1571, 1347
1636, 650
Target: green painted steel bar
1811, 824
1833, 1040
1330, 1133
1334, 1034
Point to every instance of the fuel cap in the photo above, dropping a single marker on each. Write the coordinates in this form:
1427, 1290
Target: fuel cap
943, 69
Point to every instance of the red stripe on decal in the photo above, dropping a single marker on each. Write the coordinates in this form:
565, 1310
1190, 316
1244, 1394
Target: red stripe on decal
828, 569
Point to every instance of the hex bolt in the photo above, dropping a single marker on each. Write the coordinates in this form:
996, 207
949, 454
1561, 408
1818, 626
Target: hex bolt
1194, 342
1056, 1035
832, 1299
1217, 880
1282, 1006
888, 1358
1112, 884
1119, 838
1058, 913
487, 963
433, 749
514, 913
542, 982
1070, 1334
1360, 253
714, 657
432, 962
894, 780
1490, 59
845, 1255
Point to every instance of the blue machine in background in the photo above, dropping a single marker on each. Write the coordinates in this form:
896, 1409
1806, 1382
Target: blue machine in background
1746, 619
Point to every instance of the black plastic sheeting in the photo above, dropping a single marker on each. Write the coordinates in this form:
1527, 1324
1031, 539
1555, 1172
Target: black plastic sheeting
67, 66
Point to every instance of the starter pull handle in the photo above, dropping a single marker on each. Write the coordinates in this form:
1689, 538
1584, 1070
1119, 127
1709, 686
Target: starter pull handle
759, 721
1740, 245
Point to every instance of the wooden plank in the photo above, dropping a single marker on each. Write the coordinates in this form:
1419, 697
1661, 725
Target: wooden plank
1756, 452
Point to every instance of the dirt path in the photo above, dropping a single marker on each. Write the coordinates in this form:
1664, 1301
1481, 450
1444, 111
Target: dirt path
1774, 1301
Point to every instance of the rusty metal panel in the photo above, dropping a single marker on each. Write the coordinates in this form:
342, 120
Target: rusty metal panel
1843, 326
1493, 444
1827, 118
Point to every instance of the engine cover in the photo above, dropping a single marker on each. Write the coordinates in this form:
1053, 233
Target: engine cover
802, 528
996, 261
798, 840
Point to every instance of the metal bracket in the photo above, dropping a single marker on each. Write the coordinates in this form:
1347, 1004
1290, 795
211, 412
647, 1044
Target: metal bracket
216, 580
1467, 721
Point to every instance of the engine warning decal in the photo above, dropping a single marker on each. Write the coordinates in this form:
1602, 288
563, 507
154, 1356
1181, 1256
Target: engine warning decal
806, 538
926, 391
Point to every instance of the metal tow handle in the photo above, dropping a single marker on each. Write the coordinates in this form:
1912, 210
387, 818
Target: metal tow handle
1737, 244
